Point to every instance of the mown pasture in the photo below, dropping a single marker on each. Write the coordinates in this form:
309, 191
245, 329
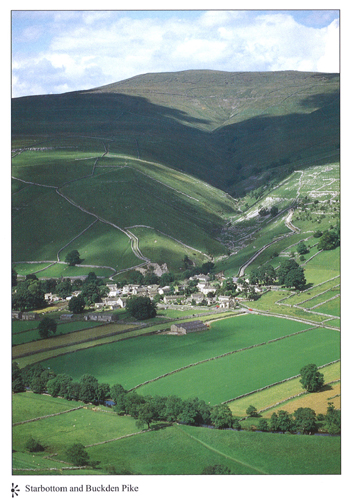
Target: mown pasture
32, 334
317, 401
231, 376
272, 395
38, 405
138, 360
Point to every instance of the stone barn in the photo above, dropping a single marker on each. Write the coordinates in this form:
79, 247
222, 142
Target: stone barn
184, 328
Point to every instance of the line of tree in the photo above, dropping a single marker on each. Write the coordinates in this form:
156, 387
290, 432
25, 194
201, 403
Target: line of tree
303, 421
30, 293
148, 409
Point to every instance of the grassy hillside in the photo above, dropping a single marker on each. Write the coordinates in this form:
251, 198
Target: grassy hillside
163, 151
109, 440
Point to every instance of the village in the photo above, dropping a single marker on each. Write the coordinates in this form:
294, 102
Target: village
200, 291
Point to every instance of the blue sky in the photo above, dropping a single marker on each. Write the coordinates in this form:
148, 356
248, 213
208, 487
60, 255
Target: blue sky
61, 51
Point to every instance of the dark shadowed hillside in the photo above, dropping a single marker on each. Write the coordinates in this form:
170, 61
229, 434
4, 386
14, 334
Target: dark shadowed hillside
233, 130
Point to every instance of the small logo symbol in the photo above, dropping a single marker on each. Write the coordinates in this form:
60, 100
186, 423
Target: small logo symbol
14, 490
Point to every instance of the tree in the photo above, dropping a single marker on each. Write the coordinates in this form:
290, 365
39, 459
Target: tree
141, 307
333, 419
263, 425
17, 379
77, 304
47, 327
145, 416
295, 278
329, 240
59, 386
311, 379
77, 454
29, 296
273, 422
285, 422
33, 445
301, 248
73, 258
103, 392
216, 469
251, 411
274, 211
14, 277
88, 388
305, 421
91, 292
174, 406
222, 417
284, 269
64, 288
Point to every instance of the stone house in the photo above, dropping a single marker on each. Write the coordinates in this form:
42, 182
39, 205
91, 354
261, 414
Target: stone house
184, 328
226, 302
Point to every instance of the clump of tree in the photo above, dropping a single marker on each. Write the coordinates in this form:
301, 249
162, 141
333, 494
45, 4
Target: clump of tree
265, 275
73, 258
32, 445
274, 211
329, 239
17, 379
311, 379
216, 470
78, 456
263, 212
332, 422
77, 304
47, 327
141, 307
28, 295
93, 289
291, 275
251, 411
36, 377
302, 248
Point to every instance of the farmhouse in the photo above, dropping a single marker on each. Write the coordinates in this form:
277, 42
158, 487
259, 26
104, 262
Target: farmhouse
191, 326
169, 299
66, 316
121, 302
104, 318
226, 302
30, 316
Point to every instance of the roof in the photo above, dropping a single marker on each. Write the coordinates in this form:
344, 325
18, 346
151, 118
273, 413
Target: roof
190, 324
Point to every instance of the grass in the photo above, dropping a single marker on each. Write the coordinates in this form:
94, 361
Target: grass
84, 426
136, 360
226, 378
192, 448
38, 405
273, 395
332, 307
62, 329
317, 401
324, 266
274, 453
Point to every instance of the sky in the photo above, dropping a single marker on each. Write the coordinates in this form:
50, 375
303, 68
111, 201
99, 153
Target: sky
62, 51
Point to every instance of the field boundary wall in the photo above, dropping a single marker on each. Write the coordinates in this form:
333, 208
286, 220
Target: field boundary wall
275, 383
218, 357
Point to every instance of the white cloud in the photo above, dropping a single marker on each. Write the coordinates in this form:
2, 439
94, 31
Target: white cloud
89, 49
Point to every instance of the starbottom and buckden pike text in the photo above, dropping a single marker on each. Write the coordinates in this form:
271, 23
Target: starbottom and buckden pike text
124, 488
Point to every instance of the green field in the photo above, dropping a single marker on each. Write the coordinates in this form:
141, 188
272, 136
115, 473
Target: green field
149, 452
137, 360
62, 328
228, 377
